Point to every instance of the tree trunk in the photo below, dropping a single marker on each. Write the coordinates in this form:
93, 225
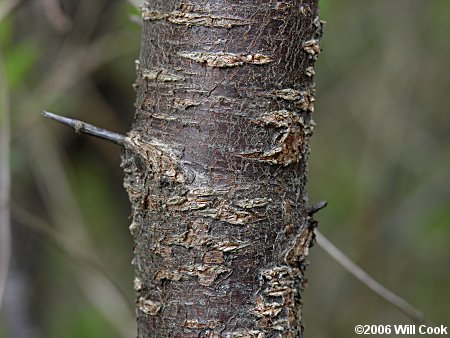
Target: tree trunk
215, 166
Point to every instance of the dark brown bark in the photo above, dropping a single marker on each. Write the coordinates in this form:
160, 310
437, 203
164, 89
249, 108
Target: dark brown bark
216, 166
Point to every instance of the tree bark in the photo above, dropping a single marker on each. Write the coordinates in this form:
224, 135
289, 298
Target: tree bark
215, 166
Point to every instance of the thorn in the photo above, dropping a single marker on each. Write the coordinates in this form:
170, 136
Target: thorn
86, 128
316, 207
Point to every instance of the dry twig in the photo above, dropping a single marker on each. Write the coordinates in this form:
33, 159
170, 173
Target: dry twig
367, 280
5, 180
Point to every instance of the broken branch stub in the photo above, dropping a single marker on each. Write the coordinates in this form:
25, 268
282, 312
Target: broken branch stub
86, 128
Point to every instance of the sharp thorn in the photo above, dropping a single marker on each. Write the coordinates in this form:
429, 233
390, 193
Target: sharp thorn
86, 128
316, 207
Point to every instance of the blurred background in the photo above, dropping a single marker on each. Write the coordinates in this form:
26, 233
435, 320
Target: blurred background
380, 157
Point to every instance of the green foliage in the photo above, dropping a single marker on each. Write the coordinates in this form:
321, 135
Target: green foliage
380, 157
82, 322
20, 61
20, 56
324, 7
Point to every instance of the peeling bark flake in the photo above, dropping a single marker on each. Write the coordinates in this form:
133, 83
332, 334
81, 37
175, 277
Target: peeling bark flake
300, 249
263, 309
184, 103
191, 18
245, 334
288, 94
209, 203
160, 75
133, 227
162, 250
137, 284
222, 60
303, 99
310, 72
165, 117
282, 282
312, 47
231, 246
289, 145
198, 324
253, 203
148, 306
197, 234
161, 161
213, 257
206, 274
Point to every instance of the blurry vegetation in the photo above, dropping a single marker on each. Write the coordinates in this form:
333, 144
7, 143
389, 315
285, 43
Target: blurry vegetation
380, 156
70, 273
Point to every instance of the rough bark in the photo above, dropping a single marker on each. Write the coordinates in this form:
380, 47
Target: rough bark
215, 166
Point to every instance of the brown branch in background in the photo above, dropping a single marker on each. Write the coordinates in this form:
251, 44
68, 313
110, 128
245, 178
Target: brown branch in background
63, 208
367, 280
86, 128
61, 242
8, 7
56, 16
5, 180
94, 270
135, 19
74, 63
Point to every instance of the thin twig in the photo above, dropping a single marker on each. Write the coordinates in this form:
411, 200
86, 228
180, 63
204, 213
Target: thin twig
61, 242
86, 128
8, 7
63, 208
95, 272
56, 16
367, 280
5, 180
73, 64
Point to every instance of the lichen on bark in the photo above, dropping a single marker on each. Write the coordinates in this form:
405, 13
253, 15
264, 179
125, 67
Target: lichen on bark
215, 166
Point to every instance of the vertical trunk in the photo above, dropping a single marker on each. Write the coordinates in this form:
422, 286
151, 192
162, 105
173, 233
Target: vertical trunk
215, 166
